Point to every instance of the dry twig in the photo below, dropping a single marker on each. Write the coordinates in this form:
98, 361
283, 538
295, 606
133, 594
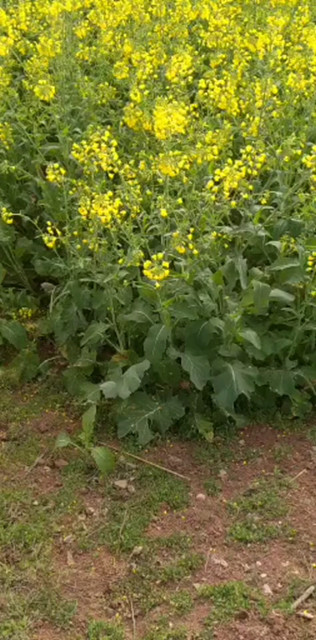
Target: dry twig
144, 461
307, 593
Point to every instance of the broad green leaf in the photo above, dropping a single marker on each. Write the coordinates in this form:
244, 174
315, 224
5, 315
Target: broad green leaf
25, 366
197, 367
281, 296
104, 459
205, 427
234, 379
90, 392
141, 314
139, 412
14, 333
198, 335
95, 334
168, 413
169, 372
63, 440
241, 266
252, 337
155, 343
281, 381
124, 384
109, 389
132, 378
88, 420
261, 293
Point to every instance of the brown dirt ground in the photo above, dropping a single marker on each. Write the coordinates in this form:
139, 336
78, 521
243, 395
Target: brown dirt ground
89, 577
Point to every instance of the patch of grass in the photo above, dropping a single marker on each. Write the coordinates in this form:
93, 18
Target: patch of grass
228, 600
295, 589
99, 630
15, 629
48, 605
251, 532
282, 452
162, 631
257, 510
212, 487
181, 568
129, 518
182, 602
177, 541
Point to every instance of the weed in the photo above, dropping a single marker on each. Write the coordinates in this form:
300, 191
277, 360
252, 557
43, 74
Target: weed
128, 520
99, 630
212, 487
228, 599
182, 602
282, 452
48, 604
256, 510
181, 568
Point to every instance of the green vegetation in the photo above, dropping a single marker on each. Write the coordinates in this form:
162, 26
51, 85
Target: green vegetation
259, 510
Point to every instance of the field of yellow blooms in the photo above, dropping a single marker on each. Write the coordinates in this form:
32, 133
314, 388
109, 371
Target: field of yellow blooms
157, 199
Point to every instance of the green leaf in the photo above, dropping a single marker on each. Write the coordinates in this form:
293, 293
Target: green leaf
205, 427
281, 381
198, 334
169, 372
252, 337
261, 293
197, 367
141, 314
88, 420
109, 389
95, 334
63, 440
155, 343
104, 459
241, 266
281, 296
168, 413
123, 385
139, 411
234, 379
25, 366
14, 333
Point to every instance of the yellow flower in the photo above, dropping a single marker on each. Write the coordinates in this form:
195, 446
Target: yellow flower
55, 173
7, 216
44, 90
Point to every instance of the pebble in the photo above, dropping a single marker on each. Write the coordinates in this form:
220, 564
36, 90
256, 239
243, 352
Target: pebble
267, 590
201, 496
121, 484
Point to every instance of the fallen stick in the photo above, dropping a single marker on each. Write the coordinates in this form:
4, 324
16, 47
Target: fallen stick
303, 597
144, 461
133, 618
298, 475
35, 463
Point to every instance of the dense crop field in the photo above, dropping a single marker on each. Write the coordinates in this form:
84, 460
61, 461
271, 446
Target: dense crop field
157, 198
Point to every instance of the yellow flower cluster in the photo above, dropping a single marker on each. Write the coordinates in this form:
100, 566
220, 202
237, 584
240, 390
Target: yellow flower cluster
6, 216
311, 262
148, 104
156, 269
55, 173
52, 236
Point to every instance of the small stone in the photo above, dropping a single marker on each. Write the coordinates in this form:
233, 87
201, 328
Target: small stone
222, 474
201, 496
131, 488
258, 563
70, 559
247, 568
220, 561
90, 511
267, 590
137, 551
60, 463
196, 586
263, 575
120, 484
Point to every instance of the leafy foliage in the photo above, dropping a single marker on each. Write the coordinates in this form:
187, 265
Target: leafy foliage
157, 208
